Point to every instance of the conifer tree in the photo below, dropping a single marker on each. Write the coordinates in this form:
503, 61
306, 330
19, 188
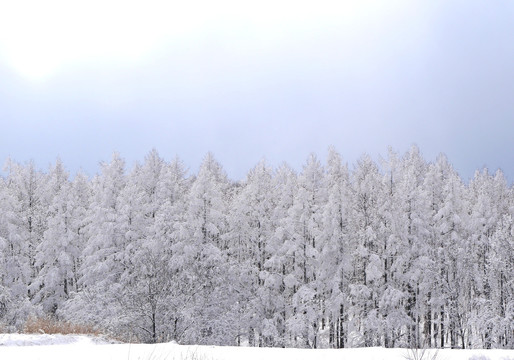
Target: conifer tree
334, 266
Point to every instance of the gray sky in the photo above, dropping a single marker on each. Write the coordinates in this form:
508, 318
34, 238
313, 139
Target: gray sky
278, 80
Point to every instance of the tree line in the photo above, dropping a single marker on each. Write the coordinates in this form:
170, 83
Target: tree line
396, 253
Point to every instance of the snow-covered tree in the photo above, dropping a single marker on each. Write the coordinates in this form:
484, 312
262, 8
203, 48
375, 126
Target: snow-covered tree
401, 254
251, 228
102, 262
202, 250
366, 247
304, 225
24, 223
280, 247
335, 258
53, 254
410, 233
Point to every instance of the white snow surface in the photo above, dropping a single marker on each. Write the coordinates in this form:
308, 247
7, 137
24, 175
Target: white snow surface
81, 347
45, 339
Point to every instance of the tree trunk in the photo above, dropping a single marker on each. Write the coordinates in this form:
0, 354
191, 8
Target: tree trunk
441, 327
428, 323
341, 335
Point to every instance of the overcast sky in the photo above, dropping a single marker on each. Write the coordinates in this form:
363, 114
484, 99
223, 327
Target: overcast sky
275, 80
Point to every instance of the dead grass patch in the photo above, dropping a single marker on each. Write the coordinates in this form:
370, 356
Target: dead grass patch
53, 326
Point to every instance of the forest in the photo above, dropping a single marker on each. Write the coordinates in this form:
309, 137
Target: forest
396, 253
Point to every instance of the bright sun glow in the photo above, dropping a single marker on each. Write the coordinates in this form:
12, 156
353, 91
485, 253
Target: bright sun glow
39, 38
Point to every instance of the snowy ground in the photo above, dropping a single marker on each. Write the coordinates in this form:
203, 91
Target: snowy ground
75, 347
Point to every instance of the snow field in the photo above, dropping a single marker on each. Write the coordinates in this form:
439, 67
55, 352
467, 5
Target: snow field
79, 347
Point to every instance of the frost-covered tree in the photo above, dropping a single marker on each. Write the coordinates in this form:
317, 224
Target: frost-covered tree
304, 225
410, 232
251, 228
281, 261
401, 254
14, 267
500, 271
54, 257
24, 223
154, 193
203, 248
366, 248
176, 289
488, 205
335, 258
102, 262
143, 279
450, 223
